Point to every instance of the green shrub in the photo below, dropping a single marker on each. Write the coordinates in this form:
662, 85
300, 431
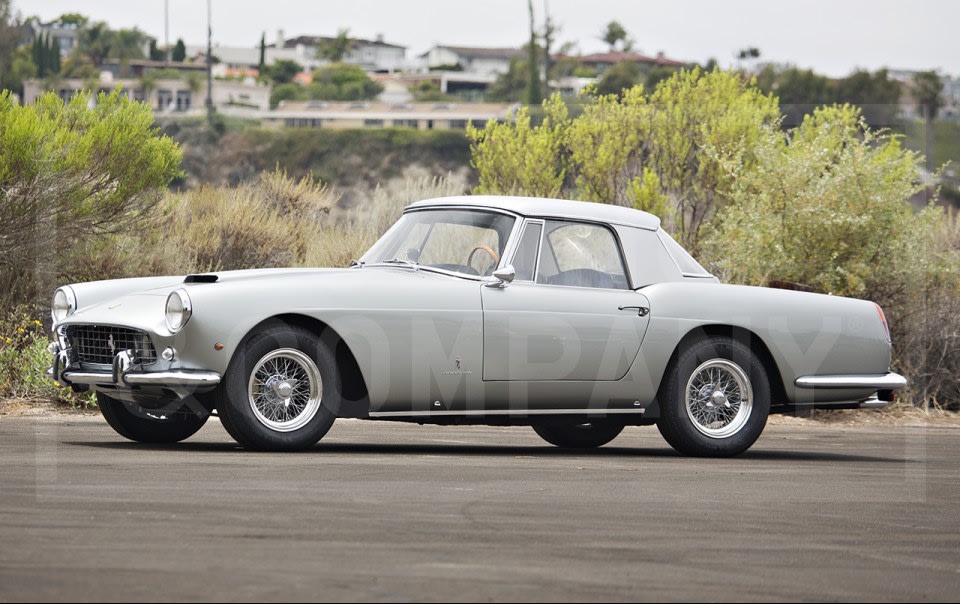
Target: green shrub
77, 171
24, 361
632, 148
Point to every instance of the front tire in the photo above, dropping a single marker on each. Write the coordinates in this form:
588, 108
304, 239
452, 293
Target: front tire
715, 400
570, 434
171, 429
281, 391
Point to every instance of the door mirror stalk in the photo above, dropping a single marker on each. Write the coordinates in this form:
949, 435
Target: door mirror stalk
502, 277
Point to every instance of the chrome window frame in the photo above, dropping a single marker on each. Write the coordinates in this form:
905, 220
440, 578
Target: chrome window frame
543, 233
516, 248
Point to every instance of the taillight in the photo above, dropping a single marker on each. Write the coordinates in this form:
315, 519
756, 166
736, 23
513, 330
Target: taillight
883, 321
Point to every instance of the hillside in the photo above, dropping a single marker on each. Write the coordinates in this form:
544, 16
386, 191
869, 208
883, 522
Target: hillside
353, 161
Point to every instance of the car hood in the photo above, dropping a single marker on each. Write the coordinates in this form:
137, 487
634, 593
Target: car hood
140, 302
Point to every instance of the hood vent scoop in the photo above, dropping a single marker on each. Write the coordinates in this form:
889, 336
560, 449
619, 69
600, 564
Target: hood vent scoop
201, 279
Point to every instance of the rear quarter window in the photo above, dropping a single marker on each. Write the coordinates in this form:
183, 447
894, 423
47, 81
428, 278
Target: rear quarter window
685, 262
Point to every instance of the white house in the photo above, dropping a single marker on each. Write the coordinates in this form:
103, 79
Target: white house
372, 55
472, 60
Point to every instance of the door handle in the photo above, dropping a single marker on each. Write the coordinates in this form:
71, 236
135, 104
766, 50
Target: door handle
642, 311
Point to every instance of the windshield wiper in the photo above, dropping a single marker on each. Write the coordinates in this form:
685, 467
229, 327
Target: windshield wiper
409, 263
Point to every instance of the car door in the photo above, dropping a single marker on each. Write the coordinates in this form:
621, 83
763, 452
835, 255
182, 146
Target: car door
569, 314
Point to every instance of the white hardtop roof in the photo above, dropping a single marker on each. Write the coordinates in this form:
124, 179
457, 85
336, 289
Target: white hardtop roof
537, 207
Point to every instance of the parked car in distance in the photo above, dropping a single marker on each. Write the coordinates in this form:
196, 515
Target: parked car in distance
575, 318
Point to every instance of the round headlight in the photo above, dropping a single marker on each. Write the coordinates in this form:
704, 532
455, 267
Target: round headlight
178, 310
64, 303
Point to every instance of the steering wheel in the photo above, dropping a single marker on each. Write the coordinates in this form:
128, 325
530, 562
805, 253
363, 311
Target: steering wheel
487, 249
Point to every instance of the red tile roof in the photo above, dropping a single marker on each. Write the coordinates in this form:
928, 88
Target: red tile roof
609, 58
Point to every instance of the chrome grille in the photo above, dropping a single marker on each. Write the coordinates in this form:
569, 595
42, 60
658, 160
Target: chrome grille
98, 344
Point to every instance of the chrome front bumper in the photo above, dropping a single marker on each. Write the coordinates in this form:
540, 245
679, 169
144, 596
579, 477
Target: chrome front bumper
160, 379
125, 374
882, 381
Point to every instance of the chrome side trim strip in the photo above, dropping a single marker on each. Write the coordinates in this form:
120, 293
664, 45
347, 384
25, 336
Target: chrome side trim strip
509, 412
883, 381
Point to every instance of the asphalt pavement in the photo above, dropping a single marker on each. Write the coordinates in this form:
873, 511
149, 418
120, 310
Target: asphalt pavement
395, 512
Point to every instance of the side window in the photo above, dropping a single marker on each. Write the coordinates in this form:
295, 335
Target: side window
525, 258
581, 255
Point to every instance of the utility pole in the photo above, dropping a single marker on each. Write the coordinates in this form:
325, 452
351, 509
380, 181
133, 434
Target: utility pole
166, 33
549, 29
209, 66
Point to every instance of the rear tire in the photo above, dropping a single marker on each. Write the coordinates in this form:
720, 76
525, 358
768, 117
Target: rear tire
281, 391
570, 434
173, 429
715, 399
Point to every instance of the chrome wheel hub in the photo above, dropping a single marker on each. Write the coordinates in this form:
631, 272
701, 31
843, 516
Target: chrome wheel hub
719, 398
285, 390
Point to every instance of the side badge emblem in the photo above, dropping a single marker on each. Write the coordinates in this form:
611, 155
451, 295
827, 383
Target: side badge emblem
459, 369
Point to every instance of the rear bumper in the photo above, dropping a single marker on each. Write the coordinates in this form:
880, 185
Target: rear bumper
881, 381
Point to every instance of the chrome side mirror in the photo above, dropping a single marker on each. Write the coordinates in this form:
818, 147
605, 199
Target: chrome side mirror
502, 277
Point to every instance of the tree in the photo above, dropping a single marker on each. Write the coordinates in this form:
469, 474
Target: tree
126, 45
801, 91
334, 49
87, 167
286, 92
155, 53
749, 55
616, 35
148, 83
550, 30
194, 81
651, 151
72, 19
877, 95
510, 87
520, 158
618, 77
179, 53
39, 58
534, 94
94, 42
10, 33
262, 65
428, 91
927, 89
820, 205
283, 71
21, 68
54, 55
342, 82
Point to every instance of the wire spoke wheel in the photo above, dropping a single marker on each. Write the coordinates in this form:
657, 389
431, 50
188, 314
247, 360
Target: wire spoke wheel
718, 398
285, 389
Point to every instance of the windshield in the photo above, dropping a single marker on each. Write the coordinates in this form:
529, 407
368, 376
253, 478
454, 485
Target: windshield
464, 241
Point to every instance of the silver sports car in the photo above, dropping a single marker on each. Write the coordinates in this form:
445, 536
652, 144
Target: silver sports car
577, 319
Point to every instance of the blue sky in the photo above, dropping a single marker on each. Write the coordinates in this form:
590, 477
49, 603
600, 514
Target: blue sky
834, 37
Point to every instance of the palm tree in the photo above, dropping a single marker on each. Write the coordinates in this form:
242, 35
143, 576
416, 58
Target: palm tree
127, 44
617, 34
